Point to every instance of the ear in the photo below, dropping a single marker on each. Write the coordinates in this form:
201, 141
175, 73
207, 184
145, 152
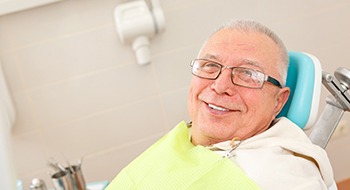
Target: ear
281, 99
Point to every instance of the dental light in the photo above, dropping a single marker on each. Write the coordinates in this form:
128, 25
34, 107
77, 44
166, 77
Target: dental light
136, 24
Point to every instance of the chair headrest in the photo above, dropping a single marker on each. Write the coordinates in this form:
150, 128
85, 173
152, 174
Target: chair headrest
304, 80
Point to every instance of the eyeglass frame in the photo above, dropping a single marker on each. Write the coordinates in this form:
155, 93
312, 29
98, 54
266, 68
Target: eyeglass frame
267, 78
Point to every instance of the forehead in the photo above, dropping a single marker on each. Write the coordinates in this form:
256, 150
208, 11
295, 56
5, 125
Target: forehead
232, 47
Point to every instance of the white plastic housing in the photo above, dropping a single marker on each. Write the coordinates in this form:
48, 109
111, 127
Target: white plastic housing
136, 24
134, 19
142, 51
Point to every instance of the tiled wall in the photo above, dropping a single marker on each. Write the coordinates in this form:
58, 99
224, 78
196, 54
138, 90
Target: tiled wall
79, 92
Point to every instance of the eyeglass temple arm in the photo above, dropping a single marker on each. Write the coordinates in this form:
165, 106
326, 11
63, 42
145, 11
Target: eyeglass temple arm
335, 106
273, 81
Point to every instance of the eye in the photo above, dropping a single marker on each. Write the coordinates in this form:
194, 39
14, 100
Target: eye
248, 72
210, 67
249, 75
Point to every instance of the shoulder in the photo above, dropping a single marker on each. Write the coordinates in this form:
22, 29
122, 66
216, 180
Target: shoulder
287, 149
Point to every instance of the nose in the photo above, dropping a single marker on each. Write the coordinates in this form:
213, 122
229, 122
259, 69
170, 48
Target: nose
223, 84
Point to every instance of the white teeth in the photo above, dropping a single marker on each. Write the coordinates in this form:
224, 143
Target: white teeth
217, 108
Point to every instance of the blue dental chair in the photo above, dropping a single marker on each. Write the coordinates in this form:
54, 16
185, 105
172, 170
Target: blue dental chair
305, 77
304, 81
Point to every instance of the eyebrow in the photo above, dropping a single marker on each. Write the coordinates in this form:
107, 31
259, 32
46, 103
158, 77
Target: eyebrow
251, 62
210, 56
243, 60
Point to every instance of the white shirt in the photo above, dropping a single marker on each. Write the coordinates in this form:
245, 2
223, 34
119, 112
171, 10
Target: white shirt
282, 157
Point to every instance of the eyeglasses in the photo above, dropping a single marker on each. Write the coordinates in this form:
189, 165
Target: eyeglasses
241, 76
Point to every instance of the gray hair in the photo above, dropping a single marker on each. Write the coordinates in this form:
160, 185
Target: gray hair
253, 26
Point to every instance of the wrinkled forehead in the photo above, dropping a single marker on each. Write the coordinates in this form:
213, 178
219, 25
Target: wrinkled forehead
232, 47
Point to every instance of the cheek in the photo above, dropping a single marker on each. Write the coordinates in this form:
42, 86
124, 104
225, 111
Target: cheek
258, 102
192, 96
190, 102
197, 86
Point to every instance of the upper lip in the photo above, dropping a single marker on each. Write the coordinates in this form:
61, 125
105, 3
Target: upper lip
218, 105
218, 108
220, 101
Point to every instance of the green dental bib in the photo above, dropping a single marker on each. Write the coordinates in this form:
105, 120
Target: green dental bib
174, 163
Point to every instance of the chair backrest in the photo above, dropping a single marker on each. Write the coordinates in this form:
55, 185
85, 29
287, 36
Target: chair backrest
304, 80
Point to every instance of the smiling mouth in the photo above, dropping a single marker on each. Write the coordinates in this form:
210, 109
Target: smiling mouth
214, 107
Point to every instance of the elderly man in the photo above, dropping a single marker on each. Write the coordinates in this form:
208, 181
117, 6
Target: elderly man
234, 140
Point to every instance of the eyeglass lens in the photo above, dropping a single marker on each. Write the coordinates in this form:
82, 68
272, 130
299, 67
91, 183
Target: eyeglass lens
240, 76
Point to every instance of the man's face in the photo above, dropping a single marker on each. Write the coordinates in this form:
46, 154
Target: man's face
221, 110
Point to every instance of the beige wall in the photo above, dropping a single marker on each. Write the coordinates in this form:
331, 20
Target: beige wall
78, 91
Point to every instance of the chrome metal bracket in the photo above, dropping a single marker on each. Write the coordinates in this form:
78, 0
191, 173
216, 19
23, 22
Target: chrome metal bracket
335, 107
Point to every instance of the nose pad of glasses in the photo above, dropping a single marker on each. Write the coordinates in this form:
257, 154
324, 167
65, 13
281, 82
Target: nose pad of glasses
223, 83
229, 73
